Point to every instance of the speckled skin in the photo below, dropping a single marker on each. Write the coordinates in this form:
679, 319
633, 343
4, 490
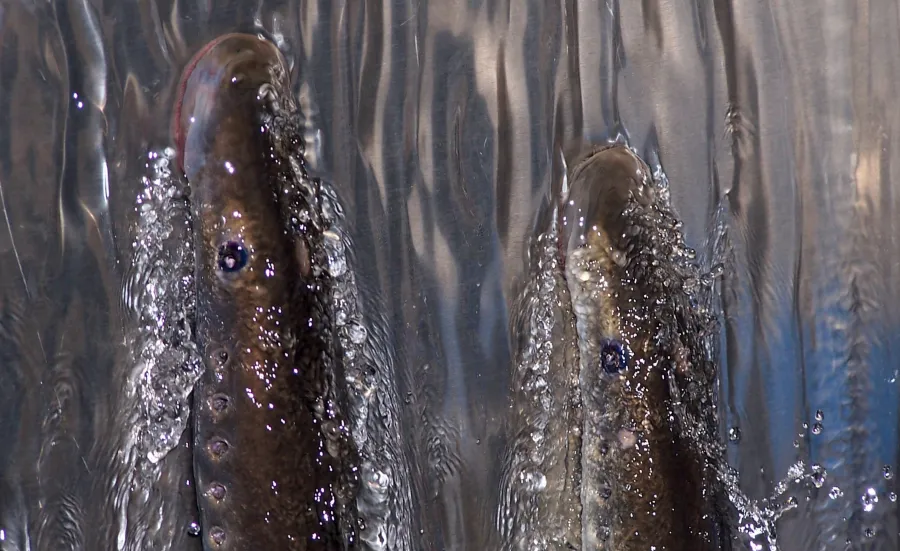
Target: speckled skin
649, 444
272, 456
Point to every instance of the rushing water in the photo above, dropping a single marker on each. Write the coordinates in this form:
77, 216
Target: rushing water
441, 128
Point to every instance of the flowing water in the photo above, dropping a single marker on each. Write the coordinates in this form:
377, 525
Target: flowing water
440, 132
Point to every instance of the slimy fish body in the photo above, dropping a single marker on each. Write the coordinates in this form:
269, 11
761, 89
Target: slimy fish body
272, 457
648, 440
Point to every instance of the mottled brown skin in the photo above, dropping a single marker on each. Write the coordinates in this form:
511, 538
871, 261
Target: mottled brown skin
646, 483
267, 476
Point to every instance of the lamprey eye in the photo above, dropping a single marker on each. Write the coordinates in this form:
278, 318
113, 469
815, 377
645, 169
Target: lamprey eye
232, 257
613, 356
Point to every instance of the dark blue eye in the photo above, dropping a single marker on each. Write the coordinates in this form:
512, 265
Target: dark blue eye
232, 257
613, 356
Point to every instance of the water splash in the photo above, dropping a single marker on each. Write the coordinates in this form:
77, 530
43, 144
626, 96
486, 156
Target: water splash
384, 498
161, 295
539, 480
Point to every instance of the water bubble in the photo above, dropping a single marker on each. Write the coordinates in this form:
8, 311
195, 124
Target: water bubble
835, 492
892, 496
869, 500
820, 415
817, 428
818, 474
376, 480
334, 248
340, 318
603, 533
357, 333
887, 472
337, 265
869, 532
533, 481
734, 434
193, 529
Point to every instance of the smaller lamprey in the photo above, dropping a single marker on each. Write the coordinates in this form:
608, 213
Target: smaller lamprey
613, 423
649, 452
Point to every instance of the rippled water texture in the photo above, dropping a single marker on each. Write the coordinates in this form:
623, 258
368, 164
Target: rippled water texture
442, 127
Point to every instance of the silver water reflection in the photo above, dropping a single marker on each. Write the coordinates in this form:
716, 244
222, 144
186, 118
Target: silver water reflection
440, 123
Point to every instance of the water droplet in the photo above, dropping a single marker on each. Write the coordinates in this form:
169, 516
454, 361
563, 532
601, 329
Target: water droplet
817, 428
217, 535
835, 492
870, 532
888, 472
218, 447
217, 491
820, 415
892, 496
734, 434
193, 529
219, 402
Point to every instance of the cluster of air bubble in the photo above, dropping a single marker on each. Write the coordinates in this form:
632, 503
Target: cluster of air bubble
311, 207
537, 502
160, 294
372, 397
